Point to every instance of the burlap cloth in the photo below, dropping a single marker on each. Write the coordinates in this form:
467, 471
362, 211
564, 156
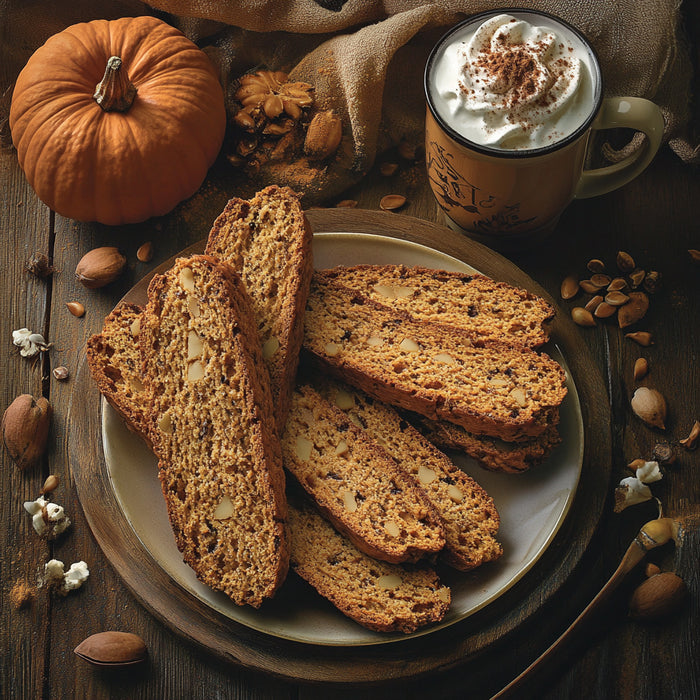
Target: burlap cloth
366, 57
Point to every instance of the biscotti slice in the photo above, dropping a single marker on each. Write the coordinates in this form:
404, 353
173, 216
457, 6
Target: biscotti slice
115, 365
491, 453
487, 387
212, 429
380, 596
267, 240
465, 300
468, 514
356, 485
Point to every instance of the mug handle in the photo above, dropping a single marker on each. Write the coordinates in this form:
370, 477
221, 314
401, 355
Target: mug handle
631, 113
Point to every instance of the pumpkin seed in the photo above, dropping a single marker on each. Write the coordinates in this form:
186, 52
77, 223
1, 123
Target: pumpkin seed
593, 303
569, 287
596, 265
589, 287
641, 368
391, 202
600, 280
637, 277
642, 338
582, 317
619, 284
605, 310
616, 298
625, 262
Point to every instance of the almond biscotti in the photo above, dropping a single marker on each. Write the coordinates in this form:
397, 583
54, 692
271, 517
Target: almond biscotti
356, 485
491, 453
267, 240
115, 365
465, 300
487, 387
468, 514
380, 596
212, 429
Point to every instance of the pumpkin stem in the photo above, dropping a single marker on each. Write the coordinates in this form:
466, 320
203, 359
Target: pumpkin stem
115, 92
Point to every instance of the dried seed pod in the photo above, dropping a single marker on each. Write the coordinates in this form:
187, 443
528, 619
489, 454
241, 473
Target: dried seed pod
634, 310
664, 453
60, 373
652, 281
582, 317
25, 429
641, 368
658, 597
605, 310
569, 287
391, 202
145, 252
616, 298
643, 338
625, 262
76, 308
99, 267
636, 277
596, 265
39, 265
113, 649
691, 442
593, 303
650, 406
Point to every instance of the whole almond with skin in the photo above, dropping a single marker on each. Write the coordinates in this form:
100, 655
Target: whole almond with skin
569, 287
113, 649
99, 267
659, 597
25, 429
323, 135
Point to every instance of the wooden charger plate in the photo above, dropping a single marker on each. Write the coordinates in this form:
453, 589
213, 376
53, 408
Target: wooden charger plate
193, 618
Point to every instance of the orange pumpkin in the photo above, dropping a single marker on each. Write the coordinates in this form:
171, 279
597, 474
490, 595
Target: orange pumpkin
117, 121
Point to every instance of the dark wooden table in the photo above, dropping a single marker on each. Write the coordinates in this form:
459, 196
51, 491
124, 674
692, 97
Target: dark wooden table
655, 219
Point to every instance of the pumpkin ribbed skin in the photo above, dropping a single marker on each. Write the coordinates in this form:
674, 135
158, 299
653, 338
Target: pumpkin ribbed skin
117, 167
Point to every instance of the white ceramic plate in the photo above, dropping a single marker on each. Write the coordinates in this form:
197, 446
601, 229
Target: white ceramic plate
532, 505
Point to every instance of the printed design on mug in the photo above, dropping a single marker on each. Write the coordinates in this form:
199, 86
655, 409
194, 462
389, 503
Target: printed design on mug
452, 190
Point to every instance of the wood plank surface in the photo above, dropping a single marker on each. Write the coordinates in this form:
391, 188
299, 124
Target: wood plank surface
654, 218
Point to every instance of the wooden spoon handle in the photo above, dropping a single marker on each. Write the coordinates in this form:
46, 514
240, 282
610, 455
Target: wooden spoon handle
634, 554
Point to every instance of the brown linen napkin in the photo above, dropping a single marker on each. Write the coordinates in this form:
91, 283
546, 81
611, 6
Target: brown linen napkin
365, 59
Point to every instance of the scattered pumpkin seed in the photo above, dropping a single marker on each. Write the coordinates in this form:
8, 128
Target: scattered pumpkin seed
569, 287
391, 202
596, 265
641, 368
605, 310
637, 277
593, 303
619, 284
616, 298
600, 280
589, 287
145, 253
582, 317
625, 262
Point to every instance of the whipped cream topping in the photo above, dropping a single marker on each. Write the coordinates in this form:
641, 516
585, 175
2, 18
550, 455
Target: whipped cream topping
511, 85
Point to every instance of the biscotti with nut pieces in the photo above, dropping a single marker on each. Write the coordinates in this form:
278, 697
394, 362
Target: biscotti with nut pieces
491, 453
468, 514
379, 596
212, 429
115, 365
267, 240
356, 485
487, 387
471, 301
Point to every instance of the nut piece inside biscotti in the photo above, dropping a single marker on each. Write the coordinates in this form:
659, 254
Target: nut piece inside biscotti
212, 430
468, 514
471, 301
380, 596
115, 365
356, 484
267, 240
487, 387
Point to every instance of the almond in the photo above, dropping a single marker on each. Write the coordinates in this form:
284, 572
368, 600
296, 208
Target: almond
660, 596
323, 135
99, 267
114, 649
25, 429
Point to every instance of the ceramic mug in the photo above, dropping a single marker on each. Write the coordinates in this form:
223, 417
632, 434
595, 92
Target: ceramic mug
508, 198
